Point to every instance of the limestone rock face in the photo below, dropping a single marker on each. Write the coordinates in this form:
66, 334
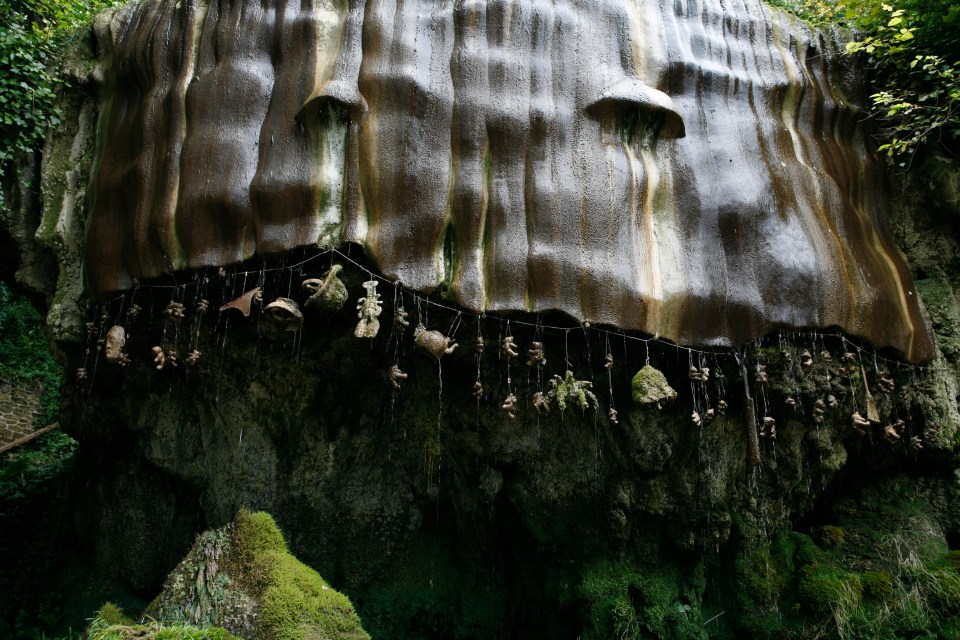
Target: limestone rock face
693, 170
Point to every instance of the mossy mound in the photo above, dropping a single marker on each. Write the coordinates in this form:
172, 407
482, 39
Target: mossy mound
111, 624
242, 578
650, 387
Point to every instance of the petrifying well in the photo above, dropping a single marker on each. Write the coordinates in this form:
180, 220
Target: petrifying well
690, 168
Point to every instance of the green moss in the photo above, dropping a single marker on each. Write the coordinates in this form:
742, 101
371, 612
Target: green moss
295, 602
113, 615
831, 536
878, 586
650, 387
102, 628
824, 588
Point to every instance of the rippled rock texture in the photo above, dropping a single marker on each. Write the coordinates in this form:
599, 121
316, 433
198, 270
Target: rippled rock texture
688, 169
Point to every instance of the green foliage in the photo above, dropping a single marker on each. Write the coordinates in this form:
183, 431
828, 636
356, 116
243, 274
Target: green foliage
912, 48
630, 601
30, 36
104, 627
24, 350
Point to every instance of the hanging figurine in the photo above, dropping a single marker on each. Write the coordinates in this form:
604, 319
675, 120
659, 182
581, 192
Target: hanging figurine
400, 321
81, 374
477, 390
612, 416
886, 383
792, 403
113, 345
193, 358
202, 305
433, 342
396, 376
535, 355
769, 429
368, 309
327, 293
819, 408
608, 361
892, 432
541, 403
806, 359
174, 311
832, 402
860, 424
162, 359
133, 311
283, 315
478, 345
509, 407
509, 348
699, 375
849, 362
760, 376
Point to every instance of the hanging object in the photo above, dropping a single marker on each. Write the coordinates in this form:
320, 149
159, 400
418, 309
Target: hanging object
849, 362
541, 403
650, 387
825, 355
722, 407
509, 348
245, 302
478, 345
368, 309
892, 432
612, 416
477, 390
806, 359
396, 376
113, 345
608, 361
819, 407
696, 419
202, 305
760, 376
832, 402
433, 342
174, 311
193, 358
282, 315
886, 383
327, 293
709, 415
872, 414
535, 355
509, 407
133, 311
569, 389
916, 443
81, 374
860, 424
400, 321
792, 403
699, 375
162, 359
769, 429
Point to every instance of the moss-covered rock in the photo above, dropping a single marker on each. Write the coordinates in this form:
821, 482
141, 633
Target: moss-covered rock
243, 578
650, 386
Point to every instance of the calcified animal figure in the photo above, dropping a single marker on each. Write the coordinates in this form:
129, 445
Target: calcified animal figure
433, 342
396, 376
478, 345
696, 419
400, 321
244, 303
174, 311
163, 359
541, 403
283, 315
81, 374
202, 305
509, 407
699, 375
133, 311
477, 390
509, 348
368, 310
327, 293
886, 383
806, 359
113, 345
792, 403
193, 358
760, 376
819, 408
769, 428
860, 424
612, 416
535, 355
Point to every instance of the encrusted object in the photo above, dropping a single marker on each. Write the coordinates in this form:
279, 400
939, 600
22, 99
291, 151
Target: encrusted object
174, 310
162, 358
769, 429
478, 345
396, 376
245, 302
202, 305
327, 293
193, 358
282, 315
113, 346
509, 407
892, 432
819, 407
368, 310
697, 420
535, 355
569, 389
608, 361
792, 403
133, 311
699, 375
509, 348
477, 390
886, 383
541, 403
722, 407
806, 359
760, 375
860, 424
650, 387
81, 374
433, 342
400, 319
612, 416
832, 401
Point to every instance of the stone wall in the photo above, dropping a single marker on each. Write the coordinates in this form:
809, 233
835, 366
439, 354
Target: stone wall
19, 409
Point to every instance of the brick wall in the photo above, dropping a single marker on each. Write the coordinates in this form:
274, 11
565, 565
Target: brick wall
19, 408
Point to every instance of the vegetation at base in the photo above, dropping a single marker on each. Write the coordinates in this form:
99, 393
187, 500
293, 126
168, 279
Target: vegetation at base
25, 353
111, 624
882, 572
243, 578
912, 48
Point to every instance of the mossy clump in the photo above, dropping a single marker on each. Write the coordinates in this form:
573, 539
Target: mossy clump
831, 536
824, 588
650, 387
243, 578
878, 586
111, 624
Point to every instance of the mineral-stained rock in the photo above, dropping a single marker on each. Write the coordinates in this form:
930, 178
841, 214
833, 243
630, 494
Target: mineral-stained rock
650, 387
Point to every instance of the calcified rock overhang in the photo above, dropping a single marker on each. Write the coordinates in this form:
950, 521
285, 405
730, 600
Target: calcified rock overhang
687, 168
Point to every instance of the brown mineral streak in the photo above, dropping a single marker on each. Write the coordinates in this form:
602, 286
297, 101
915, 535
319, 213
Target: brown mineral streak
682, 169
